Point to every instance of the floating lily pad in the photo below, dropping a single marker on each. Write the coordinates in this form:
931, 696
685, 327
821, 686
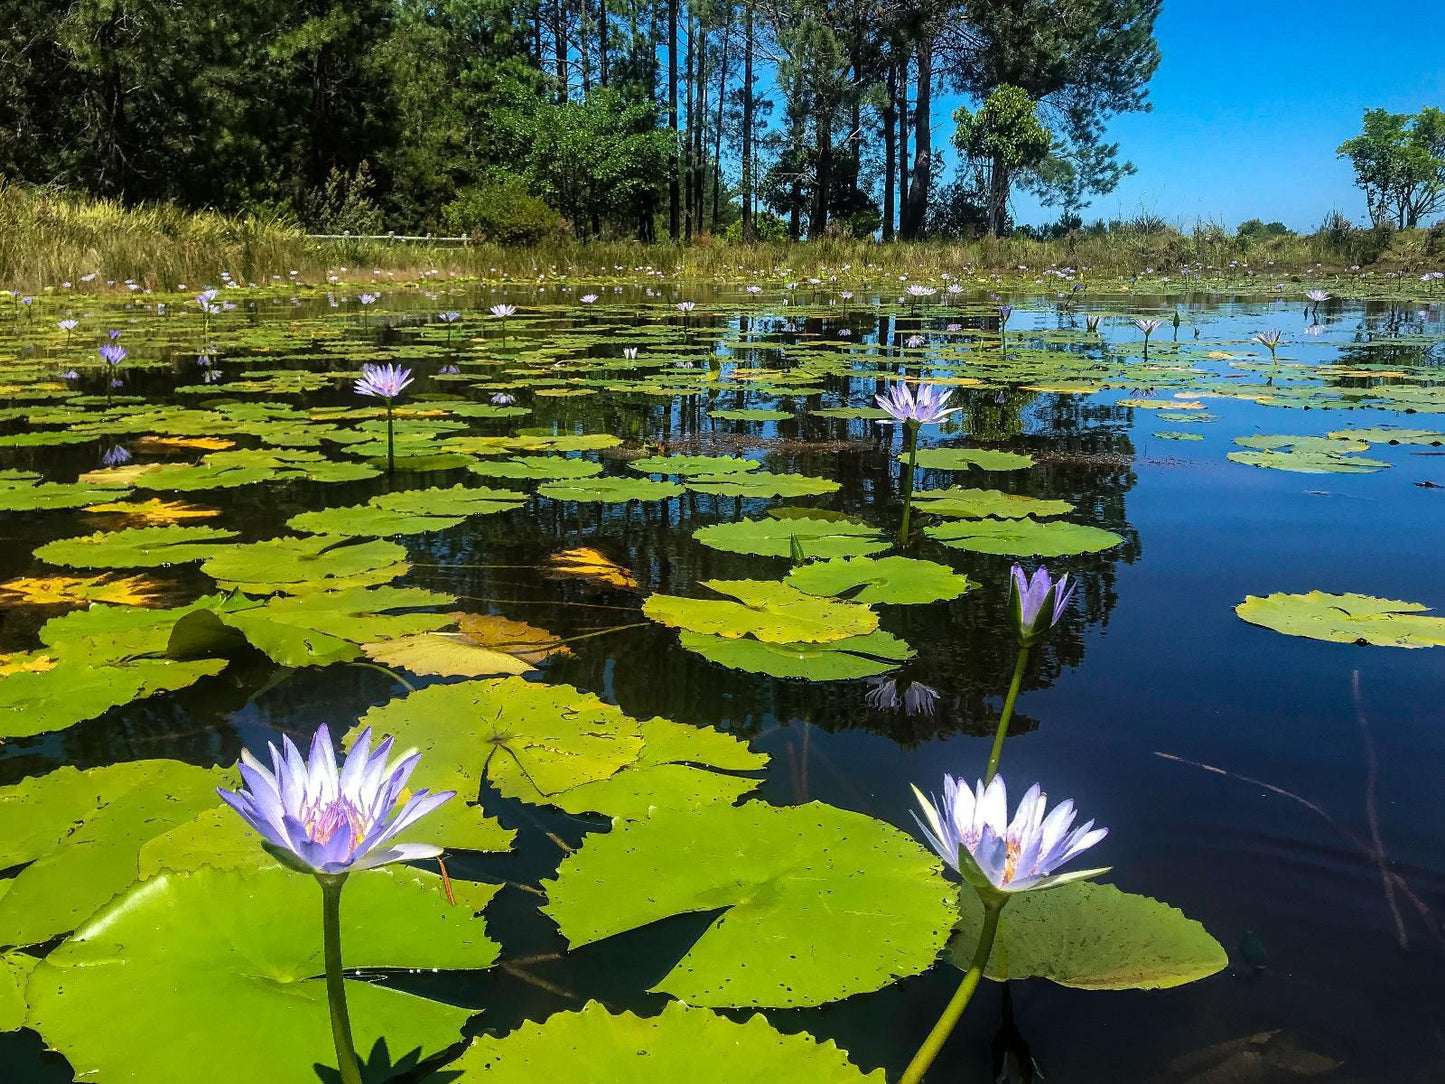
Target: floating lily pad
1306, 455
136, 547
232, 955
407, 511
965, 503
77, 835
773, 537
35, 496
840, 660
15, 968
682, 1043
611, 490
537, 468
555, 745
765, 610
762, 484
1346, 619
897, 580
751, 414
1023, 537
1384, 435
819, 903
1092, 937
970, 458
323, 627
448, 654
299, 566
694, 464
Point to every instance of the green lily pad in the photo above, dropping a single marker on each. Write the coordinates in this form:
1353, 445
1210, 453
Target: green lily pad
537, 468
610, 490
1346, 619
682, 1043
763, 484
751, 414
694, 464
1023, 537
77, 835
330, 626
964, 503
232, 955
136, 547
841, 660
555, 745
1384, 435
1306, 455
37, 496
15, 968
969, 458
901, 581
765, 610
1092, 937
407, 511
299, 566
801, 924
773, 537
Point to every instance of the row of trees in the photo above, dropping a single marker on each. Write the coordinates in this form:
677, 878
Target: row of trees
625, 116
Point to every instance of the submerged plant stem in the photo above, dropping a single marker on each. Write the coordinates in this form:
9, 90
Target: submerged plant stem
335, 985
1005, 716
961, 997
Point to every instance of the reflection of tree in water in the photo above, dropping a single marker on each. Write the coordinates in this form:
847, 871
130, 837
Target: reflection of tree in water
1393, 335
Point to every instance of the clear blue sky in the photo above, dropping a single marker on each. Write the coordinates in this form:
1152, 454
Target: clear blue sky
1251, 100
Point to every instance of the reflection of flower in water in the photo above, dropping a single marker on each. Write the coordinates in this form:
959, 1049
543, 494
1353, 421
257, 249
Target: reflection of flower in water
912, 698
116, 457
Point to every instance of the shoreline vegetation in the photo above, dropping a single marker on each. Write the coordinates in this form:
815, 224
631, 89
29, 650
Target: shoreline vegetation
49, 238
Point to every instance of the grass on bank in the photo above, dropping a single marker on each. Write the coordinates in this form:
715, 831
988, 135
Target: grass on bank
50, 237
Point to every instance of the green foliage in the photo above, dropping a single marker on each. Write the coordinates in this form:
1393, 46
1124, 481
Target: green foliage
1346, 619
680, 1044
1399, 163
503, 211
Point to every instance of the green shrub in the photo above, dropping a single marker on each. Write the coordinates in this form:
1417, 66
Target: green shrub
766, 227
501, 211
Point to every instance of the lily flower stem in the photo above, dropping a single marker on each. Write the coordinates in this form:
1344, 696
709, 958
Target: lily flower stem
954, 1010
390, 445
996, 754
911, 428
331, 886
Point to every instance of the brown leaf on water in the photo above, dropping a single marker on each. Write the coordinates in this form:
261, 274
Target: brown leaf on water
515, 638
82, 590
589, 564
117, 476
156, 512
156, 443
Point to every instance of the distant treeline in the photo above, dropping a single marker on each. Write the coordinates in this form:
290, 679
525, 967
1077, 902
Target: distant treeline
518, 120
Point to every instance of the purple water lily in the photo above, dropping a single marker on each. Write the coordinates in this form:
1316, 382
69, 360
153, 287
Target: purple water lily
317, 819
1036, 602
901, 695
449, 317
501, 398
112, 353
923, 407
116, 457
971, 832
383, 381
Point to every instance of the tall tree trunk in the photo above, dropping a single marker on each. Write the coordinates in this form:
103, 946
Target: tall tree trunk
748, 125
998, 186
699, 162
559, 41
902, 139
602, 42
890, 151
722, 97
922, 143
674, 182
690, 78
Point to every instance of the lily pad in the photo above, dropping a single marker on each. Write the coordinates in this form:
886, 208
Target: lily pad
762, 485
1092, 937
136, 547
682, 1043
407, 511
77, 835
773, 537
611, 490
555, 745
818, 903
900, 581
299, 566
694, 464
969, 458
232, 955
765, 610
841, 660
1023, 537
1346, 619
964, 503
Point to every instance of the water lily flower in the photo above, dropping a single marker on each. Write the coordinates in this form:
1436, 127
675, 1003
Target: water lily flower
686, 306
70, 374
755, 289
923, 407
449, 317
112, 353
630, 353
368, 299
913, 342
1037, 602
587, 299
1317, 296
450, 369
1270, 339
116, 457
68, 326
501, 398
971, 832
383, 381
1148, 327
917, 290
1091, 322
318, 819
1004, 312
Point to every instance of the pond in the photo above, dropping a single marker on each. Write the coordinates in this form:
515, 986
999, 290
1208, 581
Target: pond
693, 515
